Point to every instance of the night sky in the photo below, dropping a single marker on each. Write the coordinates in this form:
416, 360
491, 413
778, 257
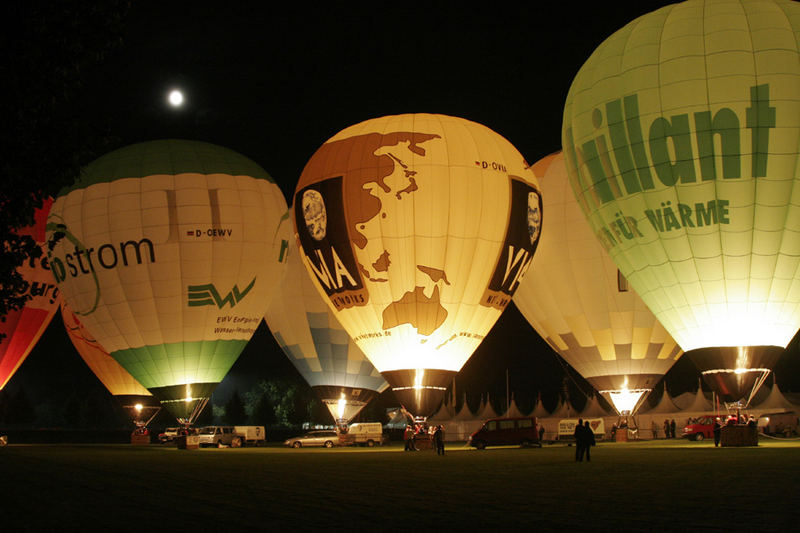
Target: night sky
274, 83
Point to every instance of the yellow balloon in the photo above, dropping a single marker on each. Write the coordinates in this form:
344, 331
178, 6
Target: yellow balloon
577, 301
681, 140
417, 229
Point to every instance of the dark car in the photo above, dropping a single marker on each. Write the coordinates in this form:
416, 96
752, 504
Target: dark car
520, 431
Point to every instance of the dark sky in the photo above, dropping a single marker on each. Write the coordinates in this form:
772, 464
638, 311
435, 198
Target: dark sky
274, 83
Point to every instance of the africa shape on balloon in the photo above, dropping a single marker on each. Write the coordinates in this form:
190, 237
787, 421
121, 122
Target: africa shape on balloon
681, 141
417, 229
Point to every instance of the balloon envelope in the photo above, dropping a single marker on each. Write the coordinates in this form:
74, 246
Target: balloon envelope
417, 229
681, 136
318, 346
23, 327
170, 256
132, 396
575, 299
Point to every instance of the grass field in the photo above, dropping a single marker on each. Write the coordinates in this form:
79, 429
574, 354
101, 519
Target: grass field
658, 485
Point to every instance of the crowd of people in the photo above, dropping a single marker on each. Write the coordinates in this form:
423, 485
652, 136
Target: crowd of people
421, 436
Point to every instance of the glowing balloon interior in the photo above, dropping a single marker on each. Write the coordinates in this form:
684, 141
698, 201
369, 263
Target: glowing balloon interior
170, 256
23, 327
681, 136
417, 230
316, 343
575, 299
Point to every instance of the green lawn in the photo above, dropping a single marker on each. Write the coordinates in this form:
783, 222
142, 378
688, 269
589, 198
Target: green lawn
656, 485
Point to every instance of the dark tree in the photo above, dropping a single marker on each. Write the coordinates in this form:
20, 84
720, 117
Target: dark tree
47, 52
206, 417
20, 411
234, 410
263, 412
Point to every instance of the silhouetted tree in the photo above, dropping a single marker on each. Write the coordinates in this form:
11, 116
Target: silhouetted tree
206, 417
47, 50
234, 410
20, 410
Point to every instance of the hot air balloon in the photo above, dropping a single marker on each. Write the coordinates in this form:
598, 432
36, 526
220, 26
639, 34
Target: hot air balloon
140, 405
681, 139
318, 346
170, 254
574, 297
23, 327
417, 229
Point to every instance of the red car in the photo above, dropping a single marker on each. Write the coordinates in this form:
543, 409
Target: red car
521, 431
700, 428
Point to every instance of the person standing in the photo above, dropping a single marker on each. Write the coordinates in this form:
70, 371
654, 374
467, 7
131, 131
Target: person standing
666, 428
438, 439
717, 431
579, 440
409, 438
672, 429
588, 440
654, 428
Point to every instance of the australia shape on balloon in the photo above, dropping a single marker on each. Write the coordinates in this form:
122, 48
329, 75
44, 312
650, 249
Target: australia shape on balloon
417, 229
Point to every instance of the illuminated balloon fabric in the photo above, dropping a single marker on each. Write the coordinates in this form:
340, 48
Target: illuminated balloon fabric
116, 379
681, 137
317, 344
574, 298
23, 327
417, 228
170, 258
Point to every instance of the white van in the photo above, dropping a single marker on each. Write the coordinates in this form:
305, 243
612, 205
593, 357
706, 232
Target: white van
364, 434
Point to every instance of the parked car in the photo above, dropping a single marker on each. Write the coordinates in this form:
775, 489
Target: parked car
326, 438
521, 431
700, 428
169, 435
364, 434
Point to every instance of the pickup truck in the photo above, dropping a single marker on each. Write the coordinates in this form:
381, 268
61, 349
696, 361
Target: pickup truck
233, 436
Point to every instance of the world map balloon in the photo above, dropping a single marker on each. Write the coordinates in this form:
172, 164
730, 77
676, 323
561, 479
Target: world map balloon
417, 229
681, 137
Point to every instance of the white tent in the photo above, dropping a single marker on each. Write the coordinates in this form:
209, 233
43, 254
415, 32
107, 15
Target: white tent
593, 409
539, 411
513, 410
487, 411
464, 413
700, 404
564, 410
665, 405
776, 401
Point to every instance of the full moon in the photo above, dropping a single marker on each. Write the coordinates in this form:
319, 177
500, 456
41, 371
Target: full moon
175, 98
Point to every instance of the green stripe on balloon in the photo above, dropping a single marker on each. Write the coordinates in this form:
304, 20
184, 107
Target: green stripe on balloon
215, 358
167, 157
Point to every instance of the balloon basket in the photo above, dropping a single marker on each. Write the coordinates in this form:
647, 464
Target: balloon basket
738, 436
188, 442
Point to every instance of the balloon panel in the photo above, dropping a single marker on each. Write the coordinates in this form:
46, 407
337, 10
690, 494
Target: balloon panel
681, 134
170, 256
576, 301
116, 379
23, 327
417, 228
311, 336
